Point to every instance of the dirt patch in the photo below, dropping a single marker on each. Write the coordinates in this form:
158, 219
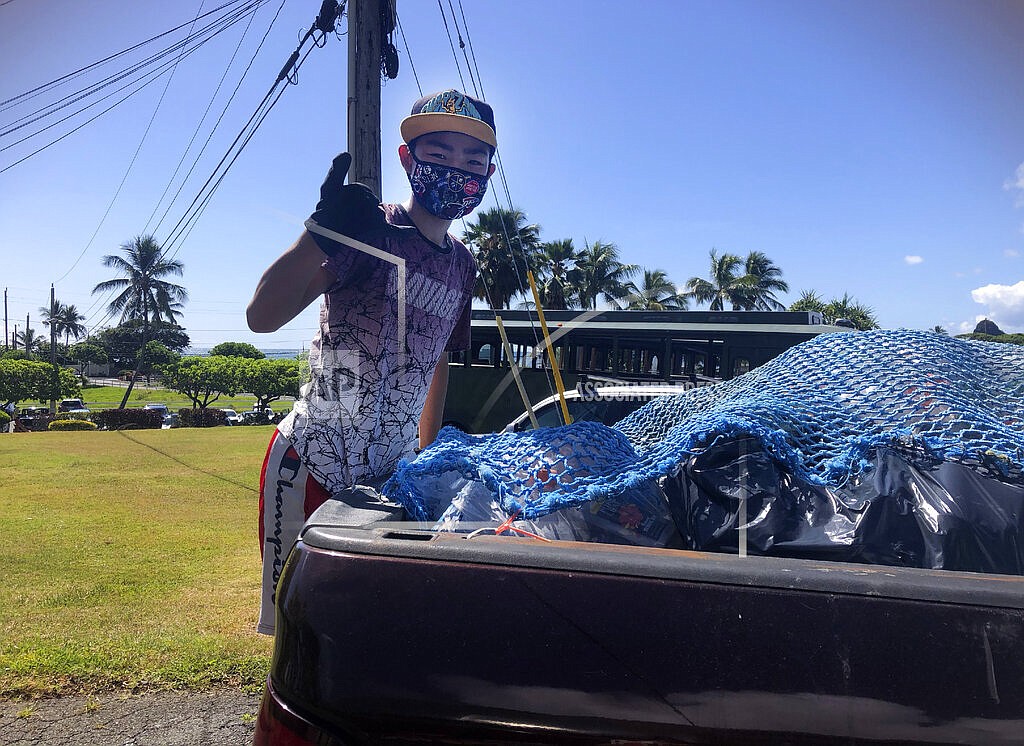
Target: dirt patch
224, 717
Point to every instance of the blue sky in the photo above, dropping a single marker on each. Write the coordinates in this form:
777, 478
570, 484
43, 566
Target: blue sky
874, 148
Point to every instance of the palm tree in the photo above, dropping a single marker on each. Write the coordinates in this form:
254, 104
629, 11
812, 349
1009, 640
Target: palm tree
143, 293
65, 319
765, 279
939, 329
726, 284
847, 307
28, 340
600, 273
72, 320
656, 293
809, 300
504, 246
556, 265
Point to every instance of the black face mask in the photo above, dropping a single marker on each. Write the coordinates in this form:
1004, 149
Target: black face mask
446, 191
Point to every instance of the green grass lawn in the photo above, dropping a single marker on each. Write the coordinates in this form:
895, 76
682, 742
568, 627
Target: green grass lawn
131, 559
108, 397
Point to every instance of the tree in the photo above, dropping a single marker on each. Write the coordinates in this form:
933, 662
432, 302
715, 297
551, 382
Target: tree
601, 274
29, 341
505, 247
939, 329
725, 284
809, 300
269, 380
655, 293
24, 380
763, 279
237, 349
142, 293
847, 307
85, 353
65, 320
204, 379
155, 356
123, 342
556, 262
1013, 339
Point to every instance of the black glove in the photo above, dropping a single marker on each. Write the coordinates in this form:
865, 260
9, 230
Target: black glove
349, 209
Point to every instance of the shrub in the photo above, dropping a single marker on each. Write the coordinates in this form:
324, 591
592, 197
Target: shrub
71, 425
205, 417
128, 419
5, 419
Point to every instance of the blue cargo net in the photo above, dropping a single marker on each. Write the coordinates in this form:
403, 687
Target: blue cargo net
818, 410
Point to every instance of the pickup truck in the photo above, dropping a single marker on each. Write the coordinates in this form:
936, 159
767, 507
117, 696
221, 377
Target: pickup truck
388, 633
882, 605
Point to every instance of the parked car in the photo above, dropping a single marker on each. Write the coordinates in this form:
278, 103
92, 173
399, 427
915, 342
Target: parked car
170, 418
263, 416
68, 405
34, 417
231, 416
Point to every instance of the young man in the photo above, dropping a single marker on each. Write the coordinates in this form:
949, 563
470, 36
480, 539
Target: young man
396, 301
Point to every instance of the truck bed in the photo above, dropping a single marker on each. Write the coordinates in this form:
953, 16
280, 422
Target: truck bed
388, 633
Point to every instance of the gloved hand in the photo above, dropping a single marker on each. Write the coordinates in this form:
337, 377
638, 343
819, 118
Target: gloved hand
350, 209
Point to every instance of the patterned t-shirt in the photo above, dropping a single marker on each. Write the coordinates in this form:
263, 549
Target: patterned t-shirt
358, 415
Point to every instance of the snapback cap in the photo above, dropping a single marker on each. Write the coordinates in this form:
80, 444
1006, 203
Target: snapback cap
450, 111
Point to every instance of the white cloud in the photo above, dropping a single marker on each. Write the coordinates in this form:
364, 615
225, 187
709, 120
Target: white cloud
1017, 183
1005, 304
1011, 253
911, 259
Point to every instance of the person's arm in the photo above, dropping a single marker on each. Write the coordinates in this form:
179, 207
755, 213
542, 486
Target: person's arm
433, 407
297, 277
290, 284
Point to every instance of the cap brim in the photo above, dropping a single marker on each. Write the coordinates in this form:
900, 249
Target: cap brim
417, 125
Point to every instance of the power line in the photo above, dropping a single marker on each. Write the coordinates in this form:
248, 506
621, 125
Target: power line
69, 76
209, 32
153, 75
199, 125
89, 90
469, 38
216, 125
450, 42
501, 172
409, 53
329, 13
103, 299
462, 46
135, 156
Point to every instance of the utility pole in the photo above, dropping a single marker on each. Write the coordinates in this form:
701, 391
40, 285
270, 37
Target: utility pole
364, 46
53, 350
5, 319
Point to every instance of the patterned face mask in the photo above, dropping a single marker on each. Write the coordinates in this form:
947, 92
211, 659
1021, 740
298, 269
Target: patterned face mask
444, 191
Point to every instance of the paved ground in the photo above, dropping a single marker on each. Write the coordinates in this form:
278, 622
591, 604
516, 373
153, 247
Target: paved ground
220, 718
